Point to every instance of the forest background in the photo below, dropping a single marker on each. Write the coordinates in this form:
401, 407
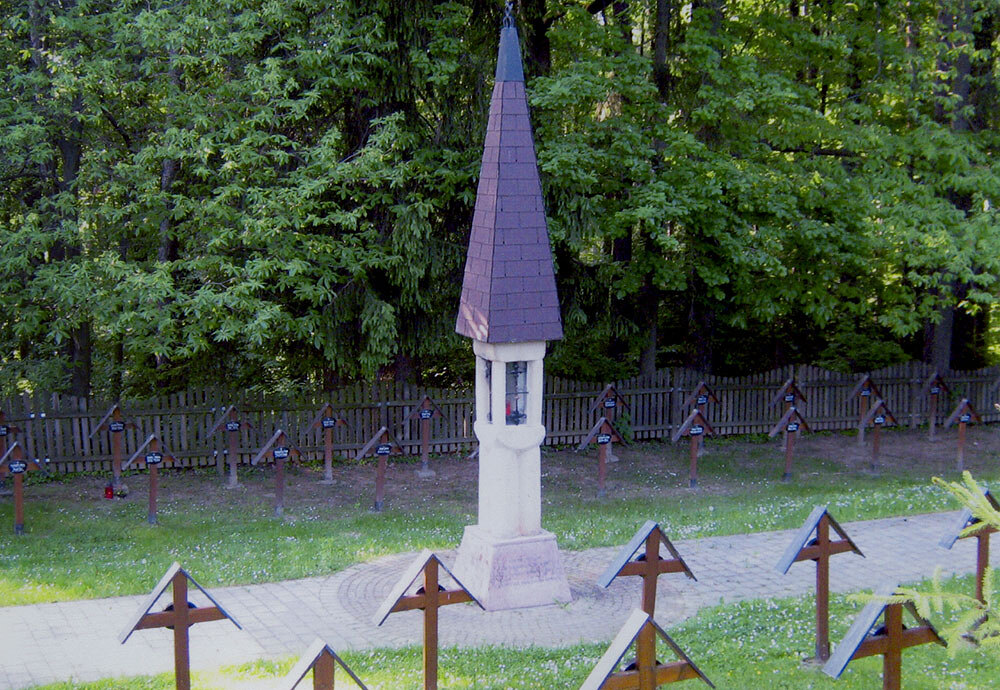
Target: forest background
278, 194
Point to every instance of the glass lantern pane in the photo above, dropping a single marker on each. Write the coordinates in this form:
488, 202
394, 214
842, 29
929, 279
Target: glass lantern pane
517, 392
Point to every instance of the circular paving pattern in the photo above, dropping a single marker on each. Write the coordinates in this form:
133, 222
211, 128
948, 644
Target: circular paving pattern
595, 614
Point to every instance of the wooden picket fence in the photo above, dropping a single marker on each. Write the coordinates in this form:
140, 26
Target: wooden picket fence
60, 427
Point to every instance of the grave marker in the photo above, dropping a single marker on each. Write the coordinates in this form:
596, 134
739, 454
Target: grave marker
646, 673
13, 463
964, 414
649, 565
7, 431
693, 427
607, 402
428, 598
889, 640
180, 615
935, 386
791, 424
878, 415
323, 661
700, 397
604, 434
383, 446
425, 412
156, 455
326, 419
113, 422
982, 535
818, 549
280, 450
231, 422
864, 391
789, 395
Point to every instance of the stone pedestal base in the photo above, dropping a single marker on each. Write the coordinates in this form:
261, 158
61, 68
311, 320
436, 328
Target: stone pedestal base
512, 573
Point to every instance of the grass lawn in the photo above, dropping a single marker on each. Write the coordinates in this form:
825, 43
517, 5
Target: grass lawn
749, 645
79, 545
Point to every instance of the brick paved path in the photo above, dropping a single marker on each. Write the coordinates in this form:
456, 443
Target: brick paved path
78, 640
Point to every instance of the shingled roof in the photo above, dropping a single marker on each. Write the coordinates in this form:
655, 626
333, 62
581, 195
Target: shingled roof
509, 290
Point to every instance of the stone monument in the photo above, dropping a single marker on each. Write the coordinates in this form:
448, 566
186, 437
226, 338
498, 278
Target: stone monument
510, 308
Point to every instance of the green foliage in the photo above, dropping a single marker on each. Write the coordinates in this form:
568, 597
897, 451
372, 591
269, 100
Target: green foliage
233, 192
972, 621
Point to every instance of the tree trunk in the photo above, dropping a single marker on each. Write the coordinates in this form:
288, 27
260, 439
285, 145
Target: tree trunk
661, 48
536, 37
938, 339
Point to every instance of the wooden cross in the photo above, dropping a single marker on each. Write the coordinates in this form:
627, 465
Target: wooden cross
326, 419
180, 615
700, 397
156, 455
934, 386
6, 431
428, 598
231, 423
791, 424
648, 565
694, 426
864, 391
964, 414
114, 423
789, 394
12, 462
603, 433
383, 446
279, 449
608, 401
879, 416
425, 412
646, 673
889, 640
818, 549
970, 526
323, 662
